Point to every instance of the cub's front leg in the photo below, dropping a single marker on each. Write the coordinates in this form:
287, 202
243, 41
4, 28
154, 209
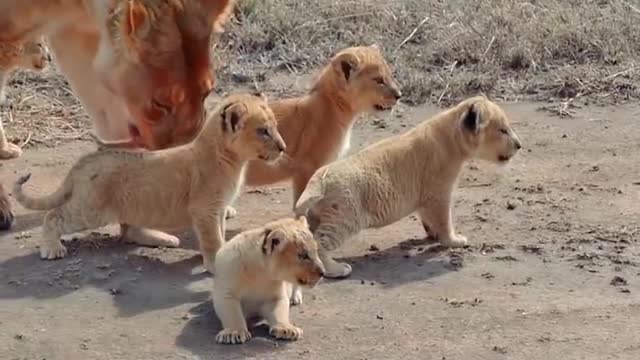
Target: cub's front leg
234, 325
276, 312
210, 231
437, 221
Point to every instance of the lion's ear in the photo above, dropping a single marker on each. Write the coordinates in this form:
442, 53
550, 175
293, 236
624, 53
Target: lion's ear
137, 22
346, 64
471, 120
219, 12
303, 220
233, 117
273, 241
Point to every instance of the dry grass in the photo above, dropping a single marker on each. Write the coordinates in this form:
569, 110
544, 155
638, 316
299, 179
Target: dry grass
442, 51
446, 50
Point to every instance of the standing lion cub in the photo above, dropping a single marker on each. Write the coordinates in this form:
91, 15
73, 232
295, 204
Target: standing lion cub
414, 171
189, 185
254, 275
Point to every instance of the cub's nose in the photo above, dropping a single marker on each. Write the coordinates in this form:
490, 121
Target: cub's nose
282, 147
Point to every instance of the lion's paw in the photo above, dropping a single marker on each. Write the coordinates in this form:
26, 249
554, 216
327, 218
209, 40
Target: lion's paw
296, 296
229, 336
51, 251
337, 270
285, 332
10, 151
455, 241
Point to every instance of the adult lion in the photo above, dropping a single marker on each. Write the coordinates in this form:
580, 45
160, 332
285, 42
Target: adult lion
140, 68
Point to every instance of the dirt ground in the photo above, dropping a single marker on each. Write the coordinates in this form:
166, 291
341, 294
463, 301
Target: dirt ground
552, 270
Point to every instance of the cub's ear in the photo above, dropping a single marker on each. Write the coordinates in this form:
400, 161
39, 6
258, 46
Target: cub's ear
375, 46
137, 24
260, 94
471, 120
273, 241
303, 220
346, 64
233, 117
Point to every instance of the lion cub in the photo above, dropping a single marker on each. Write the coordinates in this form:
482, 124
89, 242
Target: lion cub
254, 275
31, 55
414, 171
6, 215
189, 185
317, 126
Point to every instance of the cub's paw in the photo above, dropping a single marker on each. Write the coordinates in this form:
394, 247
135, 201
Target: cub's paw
296, 296
51, 251
286, 332
230, 212
455, 241
208, 263
10, 151
337, 270
229, 336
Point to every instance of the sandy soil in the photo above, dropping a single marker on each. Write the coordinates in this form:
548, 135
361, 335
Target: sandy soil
552, 270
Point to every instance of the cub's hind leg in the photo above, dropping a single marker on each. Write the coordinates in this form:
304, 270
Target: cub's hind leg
62, 221
332, 221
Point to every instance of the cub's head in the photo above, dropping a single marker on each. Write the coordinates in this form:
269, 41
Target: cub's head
36, 55
292, 252
156, 58
487, 130
249, 127
364, 78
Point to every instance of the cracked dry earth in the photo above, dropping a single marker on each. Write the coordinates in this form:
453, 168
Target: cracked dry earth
552, 270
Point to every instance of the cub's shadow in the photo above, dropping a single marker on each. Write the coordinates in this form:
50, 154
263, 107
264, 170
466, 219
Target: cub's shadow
408, 261
198, 336
139, 279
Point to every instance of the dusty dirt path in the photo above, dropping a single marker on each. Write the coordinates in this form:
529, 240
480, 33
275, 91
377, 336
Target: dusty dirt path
548, 235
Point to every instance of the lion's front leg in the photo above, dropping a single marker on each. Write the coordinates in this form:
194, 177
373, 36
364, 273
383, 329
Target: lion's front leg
229, 311
209, 229
276, 313
437, 221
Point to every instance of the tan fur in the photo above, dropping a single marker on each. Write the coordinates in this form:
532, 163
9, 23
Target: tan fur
6, 215
189, 185
29, 55
415, 171
141, 68
255, 271
317, 126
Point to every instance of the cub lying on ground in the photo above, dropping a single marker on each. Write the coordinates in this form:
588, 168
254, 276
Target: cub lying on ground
414, 171
189, 185
254, 275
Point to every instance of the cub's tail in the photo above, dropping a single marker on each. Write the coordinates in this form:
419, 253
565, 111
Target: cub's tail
57, 198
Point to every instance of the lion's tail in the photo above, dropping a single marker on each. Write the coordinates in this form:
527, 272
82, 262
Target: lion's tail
57, 198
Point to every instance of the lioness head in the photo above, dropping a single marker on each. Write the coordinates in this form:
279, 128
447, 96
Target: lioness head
155, 57
250, 127
488, 130
363, 77
293, 252
36, 55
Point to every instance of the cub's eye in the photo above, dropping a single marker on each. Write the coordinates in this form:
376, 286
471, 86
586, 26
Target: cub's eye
379, 80
304, 255
504, 131
160, 106
264, 132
